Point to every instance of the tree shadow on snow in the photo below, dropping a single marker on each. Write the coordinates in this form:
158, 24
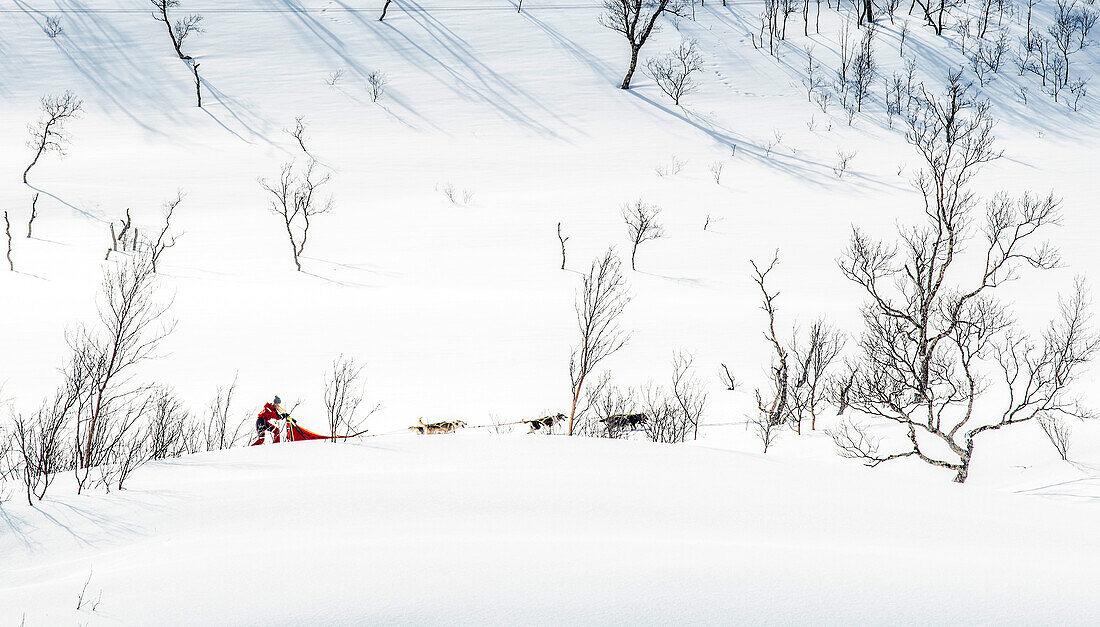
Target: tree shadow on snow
814, 172
68, 204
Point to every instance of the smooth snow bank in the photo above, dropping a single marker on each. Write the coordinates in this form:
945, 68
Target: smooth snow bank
476, 530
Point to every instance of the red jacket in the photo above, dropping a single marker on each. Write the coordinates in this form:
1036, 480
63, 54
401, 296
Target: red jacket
269, 413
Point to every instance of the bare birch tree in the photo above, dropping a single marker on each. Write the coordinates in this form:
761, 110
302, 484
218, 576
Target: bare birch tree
343, 396
216, 434
165, 239
7, 232
178, 31
688, 392
99, 375
936, 337
637, 20
295, 200
813, 359
41, 444
49, 133
771, 403
641, 226
674, 72
600, 303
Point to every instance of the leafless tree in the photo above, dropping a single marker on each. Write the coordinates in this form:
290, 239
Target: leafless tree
728, 380
716, 171
104, 358
687, 392
216, 432
165, 240
343, 396
34, 214
846, 49
767, 431
813, 80
562, 240
295, 201
673, 72
53, 27
131, 451
41, 444
769, 22
385, 7
178, 31
7, 231
934, 13
934, 341
1068, 32
641, 226
1058, 432
299, 132
987, 56
376, 84
813, 358
636, 20
665, 421
335, 77
843, 160
168, 425
123, 237
599, 304
771, 403
49, 133
865, 68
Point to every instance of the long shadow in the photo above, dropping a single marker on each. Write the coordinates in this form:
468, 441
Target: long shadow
499, 89
810, 171
337, 282
223, 125
16, 527
312, 26
237, 110
127, 92
675, 279
358, 267
68, 204
600, 67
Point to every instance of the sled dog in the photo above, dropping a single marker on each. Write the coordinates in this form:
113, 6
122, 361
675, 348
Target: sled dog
546, 422
437, 427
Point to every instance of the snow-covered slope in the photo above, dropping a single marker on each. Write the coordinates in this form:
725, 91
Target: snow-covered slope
460, 311
442, 301
492, 530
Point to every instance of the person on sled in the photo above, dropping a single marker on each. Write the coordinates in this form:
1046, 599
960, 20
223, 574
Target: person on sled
265, 421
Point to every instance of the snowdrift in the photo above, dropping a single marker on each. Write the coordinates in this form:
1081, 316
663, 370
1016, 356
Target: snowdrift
471, 529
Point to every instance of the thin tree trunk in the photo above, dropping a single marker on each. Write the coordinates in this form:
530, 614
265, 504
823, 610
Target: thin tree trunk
633, 64
34, 214
7, 231
198, 85
41, 149
386, 7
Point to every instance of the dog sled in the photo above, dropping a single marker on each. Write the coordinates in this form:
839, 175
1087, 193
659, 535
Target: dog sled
291, 431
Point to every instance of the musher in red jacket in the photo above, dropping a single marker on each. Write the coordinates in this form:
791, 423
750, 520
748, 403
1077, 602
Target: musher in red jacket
265, 421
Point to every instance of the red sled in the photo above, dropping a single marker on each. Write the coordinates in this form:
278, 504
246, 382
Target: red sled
294, 433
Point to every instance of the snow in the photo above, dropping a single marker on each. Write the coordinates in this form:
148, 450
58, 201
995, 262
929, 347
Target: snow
536, 530
461, 312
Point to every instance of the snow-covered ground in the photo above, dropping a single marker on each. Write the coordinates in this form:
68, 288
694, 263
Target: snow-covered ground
461, 312
492, 530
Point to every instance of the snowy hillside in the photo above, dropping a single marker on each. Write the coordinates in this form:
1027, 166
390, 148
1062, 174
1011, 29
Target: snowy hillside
475, 530
499, 139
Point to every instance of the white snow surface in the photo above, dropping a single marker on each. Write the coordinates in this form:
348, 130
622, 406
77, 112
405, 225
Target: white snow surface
461, 312
542, 530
